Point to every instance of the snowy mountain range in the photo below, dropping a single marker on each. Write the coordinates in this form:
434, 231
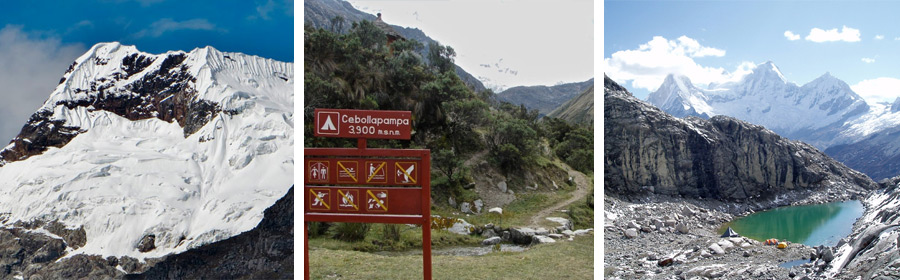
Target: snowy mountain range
153, 154
824, 112
766, 98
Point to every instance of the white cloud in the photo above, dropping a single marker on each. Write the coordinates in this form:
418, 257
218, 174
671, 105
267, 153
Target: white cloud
160, 27
648, 65
879, 37
32, 66
846, 34
791, 36
876, 90
868, 60
264, 11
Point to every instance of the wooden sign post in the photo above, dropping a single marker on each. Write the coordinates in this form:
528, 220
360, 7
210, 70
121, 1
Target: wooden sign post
361, 185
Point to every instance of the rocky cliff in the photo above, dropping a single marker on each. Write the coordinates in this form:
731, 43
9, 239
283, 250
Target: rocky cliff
649, 151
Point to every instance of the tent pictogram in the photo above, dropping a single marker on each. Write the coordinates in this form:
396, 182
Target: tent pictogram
348, 171
376, 172
319, 199
377, 200
348, 200
318, 171
405, 173
325, 123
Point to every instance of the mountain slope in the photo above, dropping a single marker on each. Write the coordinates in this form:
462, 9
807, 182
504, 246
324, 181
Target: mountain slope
319, 14
812, 113
543, 98
578, 110
647, 150
154, 154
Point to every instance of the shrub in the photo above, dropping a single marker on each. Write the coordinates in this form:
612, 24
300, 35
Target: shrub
391, 232
351, 231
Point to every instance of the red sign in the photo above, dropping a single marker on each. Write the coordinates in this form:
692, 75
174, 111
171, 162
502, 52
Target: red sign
345, 123
382, 172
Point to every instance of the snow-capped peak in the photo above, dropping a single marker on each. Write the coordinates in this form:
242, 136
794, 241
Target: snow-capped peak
189, 147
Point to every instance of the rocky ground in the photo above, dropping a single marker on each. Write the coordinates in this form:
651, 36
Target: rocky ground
661, 237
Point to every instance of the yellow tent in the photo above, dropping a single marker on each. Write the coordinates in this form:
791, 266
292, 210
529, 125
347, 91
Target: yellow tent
782, 245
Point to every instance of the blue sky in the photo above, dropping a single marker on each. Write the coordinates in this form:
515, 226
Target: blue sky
856, 42
39, 39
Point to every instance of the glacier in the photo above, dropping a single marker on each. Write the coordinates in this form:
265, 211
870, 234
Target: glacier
124, 177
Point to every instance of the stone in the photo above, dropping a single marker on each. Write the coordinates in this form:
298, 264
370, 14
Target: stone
705, 254
746, 254
505, 235
465, 208
568, 233
452, 202
634, 225
665, 262
827, 255
583, 231
147, 243
631, 233
563, 222
543, 239
681, 228
737, 241
497, 210
670, 223
478, 205
648, 228
541, 231
491, 241
469, 186
502, 186
521, 236
555, 236
488, 233
461, 227
716, 249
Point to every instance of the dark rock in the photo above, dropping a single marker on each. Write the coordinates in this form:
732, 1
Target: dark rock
112, 261
521, 236
147, 243
265, 252
695, 158
491, 241
665, 262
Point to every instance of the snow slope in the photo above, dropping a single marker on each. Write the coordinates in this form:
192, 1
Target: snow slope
766, 98
125, 177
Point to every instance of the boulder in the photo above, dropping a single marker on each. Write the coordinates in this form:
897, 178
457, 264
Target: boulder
461, 227
521, 236
827, 255
670, 223
583, 231
555, 235
465, 208
497, 210
681, 228
505, 235
568, 233
478, 205
491, 241
543, 239
716, 249
631, 233
634, 225
725, 244
705, 254
563, 222
488, 233
541, 231
502, 186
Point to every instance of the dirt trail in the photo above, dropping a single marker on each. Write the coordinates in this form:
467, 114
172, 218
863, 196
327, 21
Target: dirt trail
582, 187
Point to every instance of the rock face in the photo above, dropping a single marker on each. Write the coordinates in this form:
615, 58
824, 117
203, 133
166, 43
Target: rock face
265, 252
649, 151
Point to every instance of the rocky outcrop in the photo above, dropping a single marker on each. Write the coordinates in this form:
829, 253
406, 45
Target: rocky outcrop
265, 252
871, 250
649, 151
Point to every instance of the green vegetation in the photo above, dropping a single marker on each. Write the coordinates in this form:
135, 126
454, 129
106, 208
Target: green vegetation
384, 237
565, 260
582, 213
572, 143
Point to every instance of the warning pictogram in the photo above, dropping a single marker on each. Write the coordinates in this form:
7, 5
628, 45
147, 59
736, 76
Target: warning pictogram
348, 171
405, 173
318, 171
377, 201
325, 123
319, 199
349, 200
376, 172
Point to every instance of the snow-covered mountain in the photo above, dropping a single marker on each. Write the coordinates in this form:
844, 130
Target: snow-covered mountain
810, 112
153, 154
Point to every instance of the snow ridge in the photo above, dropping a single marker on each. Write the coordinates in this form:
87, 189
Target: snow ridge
129, 174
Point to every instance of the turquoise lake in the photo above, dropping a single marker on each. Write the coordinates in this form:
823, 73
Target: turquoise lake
813, 225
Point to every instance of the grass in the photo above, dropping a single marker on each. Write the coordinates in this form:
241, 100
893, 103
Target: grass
410, 238
516, 213
562, 260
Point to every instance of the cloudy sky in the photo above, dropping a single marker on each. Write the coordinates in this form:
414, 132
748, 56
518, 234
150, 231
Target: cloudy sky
504, 43
723, 40
39, 39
